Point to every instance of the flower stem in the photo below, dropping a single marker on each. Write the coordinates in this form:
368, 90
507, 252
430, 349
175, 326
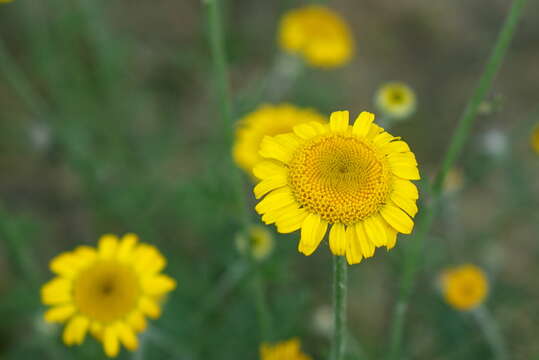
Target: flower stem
424, 222
491, 332
340, 273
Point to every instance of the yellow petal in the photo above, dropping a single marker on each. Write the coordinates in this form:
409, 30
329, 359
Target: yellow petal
158, 285
149, 307
383, 139
107, 246
405, 188
397, 218
65, 265
313, 230
271, 216
353, 249
148, 260
339, 120
375, 230
137, 321
59, 314
127, 336
270, 148
275, 200
126, 246
408, 172
75, 330
111, 343
268, 168
337, 239
269, 184
291, 223
391, 237
56, 291
407, 158
363, 123
366, 246
305, 131
395, 147
404, 203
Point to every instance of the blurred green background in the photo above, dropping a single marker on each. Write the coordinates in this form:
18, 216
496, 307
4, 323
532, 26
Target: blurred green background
109, 123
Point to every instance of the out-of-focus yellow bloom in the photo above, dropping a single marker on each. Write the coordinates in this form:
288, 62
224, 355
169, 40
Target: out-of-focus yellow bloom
396, 100
108, 291
5, 1
354, 178
317, 34
535, 139
464, 287
267, 120
454, 181
286, 350
258, 241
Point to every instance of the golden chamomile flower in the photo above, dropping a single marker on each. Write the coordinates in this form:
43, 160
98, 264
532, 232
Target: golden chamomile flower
396, 100
266, 120
355, 179
464, 287
258, 242
286, 350
108, 291
318, 35
535, 139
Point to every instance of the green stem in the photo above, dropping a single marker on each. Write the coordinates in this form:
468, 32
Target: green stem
491, 332
340, 273
424, 222
217, 42
262, 309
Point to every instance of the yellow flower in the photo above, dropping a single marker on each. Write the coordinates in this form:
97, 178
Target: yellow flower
286, 350
317, 34
454, 181
535, 139
464, 287
266, 120
258, 242
108, 291
396, 100
5, 1
355, 178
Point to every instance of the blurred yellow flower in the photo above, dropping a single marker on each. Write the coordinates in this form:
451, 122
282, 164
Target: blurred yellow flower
286, 350
108, 291
5, 1
317, 34
266, 120
355, 178
535, 139
396, 100
454, 181
464, 287
258, 241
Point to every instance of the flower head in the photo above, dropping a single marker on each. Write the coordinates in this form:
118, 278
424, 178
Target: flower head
258, 242
535, 139
354, 178
286, 350
464, 287
266, 120
396, 100
317, 34
108, 291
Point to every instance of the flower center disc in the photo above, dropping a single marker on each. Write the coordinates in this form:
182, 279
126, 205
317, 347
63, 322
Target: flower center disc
341, 178
107, 291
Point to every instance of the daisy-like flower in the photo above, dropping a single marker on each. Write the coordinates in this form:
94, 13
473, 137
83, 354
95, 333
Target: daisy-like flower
464, 287
317, 34
535, 139
286, 350
396, 100
258, 242
354, 178
266, 120
108, 291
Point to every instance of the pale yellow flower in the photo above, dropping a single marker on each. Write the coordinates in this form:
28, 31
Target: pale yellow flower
464, 287
317, 34
396, 100
286, 350
258, 242
535, 139
108, 291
